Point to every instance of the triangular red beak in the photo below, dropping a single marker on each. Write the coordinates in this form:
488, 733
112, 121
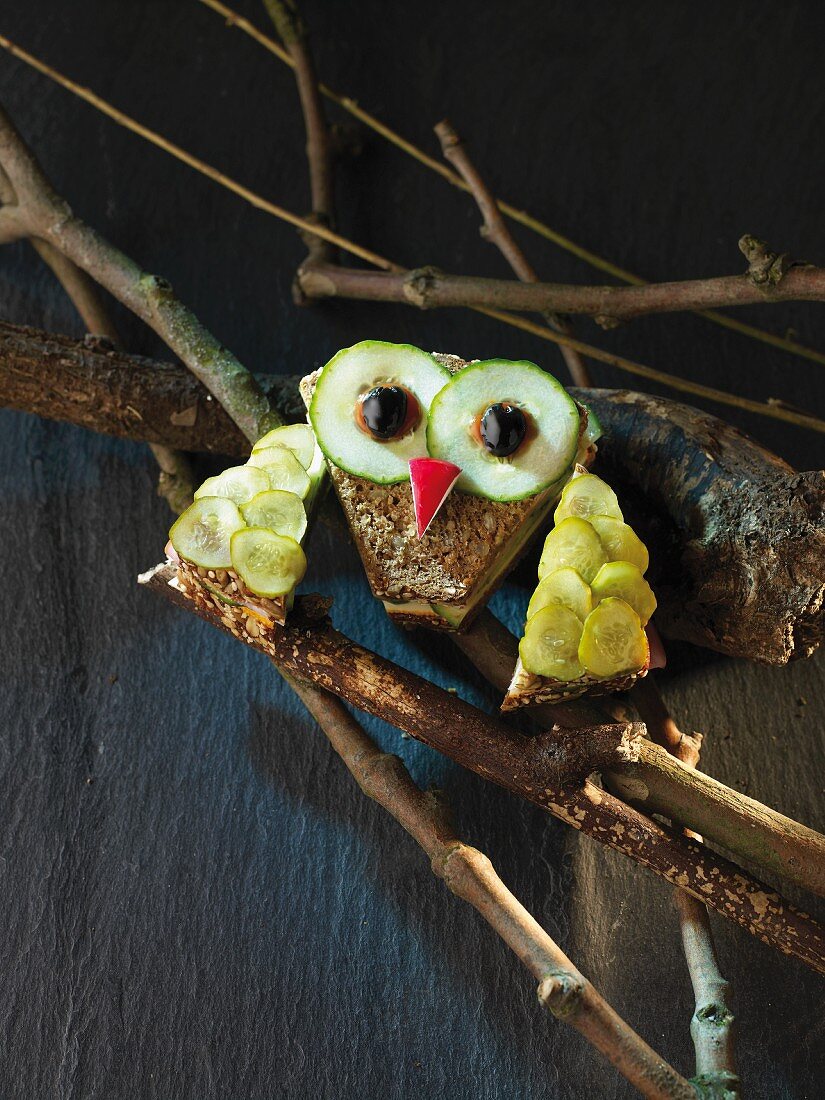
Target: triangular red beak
431, 481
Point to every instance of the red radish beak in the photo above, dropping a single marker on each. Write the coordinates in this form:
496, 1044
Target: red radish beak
431, 481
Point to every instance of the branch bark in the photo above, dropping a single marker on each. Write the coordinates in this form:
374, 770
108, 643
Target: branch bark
431, 288
310, 650
739, 536
495, 230
521, 217
470, 875
40, 213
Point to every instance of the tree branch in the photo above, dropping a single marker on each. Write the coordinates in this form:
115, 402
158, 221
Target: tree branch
522, 217
293, 33
310, 650
409, 288
469, 874
39, 213
495, 230
345, 281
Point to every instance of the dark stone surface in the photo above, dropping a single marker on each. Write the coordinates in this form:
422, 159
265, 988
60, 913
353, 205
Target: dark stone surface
196, 901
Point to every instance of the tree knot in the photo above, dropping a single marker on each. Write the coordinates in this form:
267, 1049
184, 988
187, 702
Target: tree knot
765, 268
561, 992
420, 284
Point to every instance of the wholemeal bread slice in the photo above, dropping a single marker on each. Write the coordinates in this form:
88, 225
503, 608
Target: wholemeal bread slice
443, 579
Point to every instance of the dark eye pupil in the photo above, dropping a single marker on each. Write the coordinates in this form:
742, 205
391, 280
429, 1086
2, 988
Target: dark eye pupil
503, 428
384, 410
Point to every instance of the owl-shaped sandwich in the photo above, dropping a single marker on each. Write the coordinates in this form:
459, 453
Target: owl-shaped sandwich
444, 469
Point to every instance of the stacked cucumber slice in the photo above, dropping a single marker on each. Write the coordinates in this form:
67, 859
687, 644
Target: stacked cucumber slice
587, 616
251, 518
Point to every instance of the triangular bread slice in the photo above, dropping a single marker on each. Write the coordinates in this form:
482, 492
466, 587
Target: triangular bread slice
442, 580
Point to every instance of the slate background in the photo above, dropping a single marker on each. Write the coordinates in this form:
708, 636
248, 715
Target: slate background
194, 899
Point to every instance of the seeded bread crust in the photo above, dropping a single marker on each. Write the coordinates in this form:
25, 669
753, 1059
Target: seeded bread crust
222, 589
461, 545
529, 690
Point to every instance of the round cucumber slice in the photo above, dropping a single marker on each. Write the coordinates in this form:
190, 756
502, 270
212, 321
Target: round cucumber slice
620, 578
587, 496
298, 438
550, 646
549, 447
280, 511
613, 640
203, 532
345, 379
565, 587
573, 542
620, 541
238, 483
282, 470
268, 564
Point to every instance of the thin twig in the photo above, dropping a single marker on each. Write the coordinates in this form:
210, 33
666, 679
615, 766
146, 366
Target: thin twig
293, 32
40, 213
330, 280
233, 19
712, 1026
469, 874
495, 230
176, 480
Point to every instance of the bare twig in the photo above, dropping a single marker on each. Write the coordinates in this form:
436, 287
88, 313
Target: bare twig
712, 1026
175, 483
293, 32
494, 229
40, 213
318, 281
469, 874
309, 649
233, 19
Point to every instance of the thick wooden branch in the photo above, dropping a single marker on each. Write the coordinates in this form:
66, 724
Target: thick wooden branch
740, 546
310, 650
739, 535
90, 383
661, 783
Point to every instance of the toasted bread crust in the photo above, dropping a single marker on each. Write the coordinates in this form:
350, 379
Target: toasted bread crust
528, 690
